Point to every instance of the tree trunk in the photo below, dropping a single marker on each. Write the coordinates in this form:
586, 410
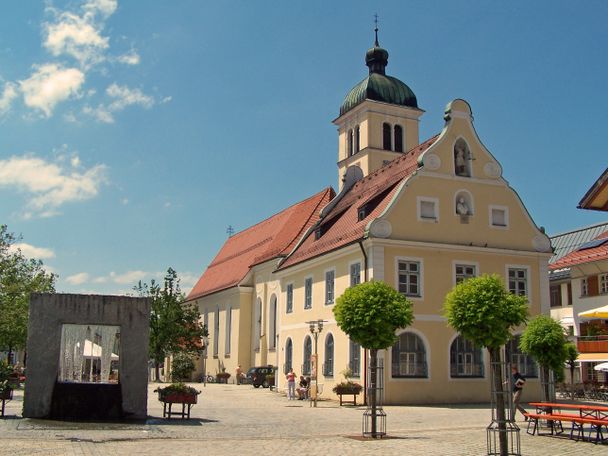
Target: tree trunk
157, 370
495, 360
572, 380
546, 386
10, 355
373, 364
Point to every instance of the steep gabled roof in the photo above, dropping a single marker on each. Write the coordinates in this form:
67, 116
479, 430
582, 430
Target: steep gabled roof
588, 252
341, 226
271, 238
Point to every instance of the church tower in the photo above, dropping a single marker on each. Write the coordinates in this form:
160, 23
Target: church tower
378, 118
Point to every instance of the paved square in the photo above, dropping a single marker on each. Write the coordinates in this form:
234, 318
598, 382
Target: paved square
241, 420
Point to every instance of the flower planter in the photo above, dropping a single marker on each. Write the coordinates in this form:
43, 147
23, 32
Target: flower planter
177, 394
178, 398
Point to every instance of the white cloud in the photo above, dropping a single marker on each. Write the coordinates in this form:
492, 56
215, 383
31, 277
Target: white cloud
9, 93
49, 85
78, 279
130, 277
79, 37
49, 185
130, 58
30, 251
105, 7
124, 96
166, 99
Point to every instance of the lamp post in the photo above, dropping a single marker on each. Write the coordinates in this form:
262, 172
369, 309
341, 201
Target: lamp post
316, 326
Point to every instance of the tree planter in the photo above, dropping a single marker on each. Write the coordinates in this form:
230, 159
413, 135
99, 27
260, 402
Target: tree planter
177, 394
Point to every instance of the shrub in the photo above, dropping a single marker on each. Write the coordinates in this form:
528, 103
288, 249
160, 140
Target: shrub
183, 366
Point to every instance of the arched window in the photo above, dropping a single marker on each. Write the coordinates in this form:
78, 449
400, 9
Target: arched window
272, 342
350, 142
328, 365
258, 325
462, 158
354, 360
466, 360
228, 329
398, 138
386, 136
409, 357
288, 356
307, 355
525, 364
357, 139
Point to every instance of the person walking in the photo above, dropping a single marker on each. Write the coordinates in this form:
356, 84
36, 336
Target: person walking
291, 385
518, 382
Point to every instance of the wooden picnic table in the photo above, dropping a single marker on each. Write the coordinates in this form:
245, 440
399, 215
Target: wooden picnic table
580, 414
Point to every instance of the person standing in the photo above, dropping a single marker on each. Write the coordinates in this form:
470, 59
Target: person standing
518, 382
239, 374
291, 385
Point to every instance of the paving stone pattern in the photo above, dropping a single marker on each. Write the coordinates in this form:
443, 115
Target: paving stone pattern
241, 420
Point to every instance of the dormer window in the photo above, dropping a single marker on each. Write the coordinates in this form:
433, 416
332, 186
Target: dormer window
362, 213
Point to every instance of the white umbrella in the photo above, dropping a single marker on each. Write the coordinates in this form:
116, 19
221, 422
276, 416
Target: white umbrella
601, 367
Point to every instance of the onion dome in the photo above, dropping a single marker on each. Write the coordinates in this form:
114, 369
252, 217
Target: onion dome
377, 86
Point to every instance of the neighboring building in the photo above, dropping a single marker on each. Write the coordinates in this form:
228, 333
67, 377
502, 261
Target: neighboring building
419, 216
579, 282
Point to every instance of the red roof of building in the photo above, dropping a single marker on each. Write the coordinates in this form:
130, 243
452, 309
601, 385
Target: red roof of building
274, 237
583, 255
341, 226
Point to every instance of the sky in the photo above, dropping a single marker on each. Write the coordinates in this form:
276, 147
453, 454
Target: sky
133, 133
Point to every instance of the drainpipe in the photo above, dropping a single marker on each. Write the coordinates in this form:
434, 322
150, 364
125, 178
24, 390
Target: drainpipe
365, 278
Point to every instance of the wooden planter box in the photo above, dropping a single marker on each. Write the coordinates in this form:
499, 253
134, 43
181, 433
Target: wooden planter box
186, 399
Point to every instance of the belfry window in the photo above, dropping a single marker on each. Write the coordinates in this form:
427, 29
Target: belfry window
386, 136
398, 138
357, 140
350, 142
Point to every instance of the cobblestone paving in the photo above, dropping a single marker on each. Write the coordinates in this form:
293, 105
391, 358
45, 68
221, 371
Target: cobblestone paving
241, 420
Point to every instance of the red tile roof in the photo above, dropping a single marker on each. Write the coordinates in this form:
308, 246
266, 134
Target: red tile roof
583, 256
271, 238
341, 227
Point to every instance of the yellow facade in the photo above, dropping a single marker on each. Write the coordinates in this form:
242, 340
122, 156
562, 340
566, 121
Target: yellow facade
454, 215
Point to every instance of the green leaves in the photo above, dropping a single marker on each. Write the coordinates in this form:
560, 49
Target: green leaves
369, 313
19, 277
483, 311
174, 326
544, 339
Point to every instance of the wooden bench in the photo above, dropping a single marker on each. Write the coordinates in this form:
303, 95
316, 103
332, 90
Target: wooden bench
577, 421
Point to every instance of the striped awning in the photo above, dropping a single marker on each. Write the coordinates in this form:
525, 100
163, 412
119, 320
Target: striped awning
592, 357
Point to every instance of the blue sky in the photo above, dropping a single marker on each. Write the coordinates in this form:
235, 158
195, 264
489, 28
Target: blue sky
133, 133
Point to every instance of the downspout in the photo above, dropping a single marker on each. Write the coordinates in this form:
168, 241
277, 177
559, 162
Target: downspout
365, 277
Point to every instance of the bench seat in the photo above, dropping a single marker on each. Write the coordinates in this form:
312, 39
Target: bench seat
577, 421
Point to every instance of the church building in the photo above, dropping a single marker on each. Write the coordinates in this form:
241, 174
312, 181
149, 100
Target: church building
420, 216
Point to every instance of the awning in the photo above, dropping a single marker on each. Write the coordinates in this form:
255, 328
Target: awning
600, 312
567, 321
592, 357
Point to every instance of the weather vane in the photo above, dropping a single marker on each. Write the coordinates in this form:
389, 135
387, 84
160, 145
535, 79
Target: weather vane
376, 28
229, 231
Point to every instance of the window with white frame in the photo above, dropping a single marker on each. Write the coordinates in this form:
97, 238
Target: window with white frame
409, 357
258, 325
499, 216
306, 366
525, 364
329, 286
228, 329
216, 333
409, 277
603, 283
355, 274
328, 365
272, 338
465, 271
466, 360
518, 281
308, 293
288, 356
427, 209
289, 307
584, 286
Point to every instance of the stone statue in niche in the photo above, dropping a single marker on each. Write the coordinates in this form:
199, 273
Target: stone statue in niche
461, 159
461, 207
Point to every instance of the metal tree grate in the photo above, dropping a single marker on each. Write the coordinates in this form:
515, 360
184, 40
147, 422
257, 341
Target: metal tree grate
500, 426
379, 411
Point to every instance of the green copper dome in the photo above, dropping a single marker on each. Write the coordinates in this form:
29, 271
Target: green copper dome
377, 86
